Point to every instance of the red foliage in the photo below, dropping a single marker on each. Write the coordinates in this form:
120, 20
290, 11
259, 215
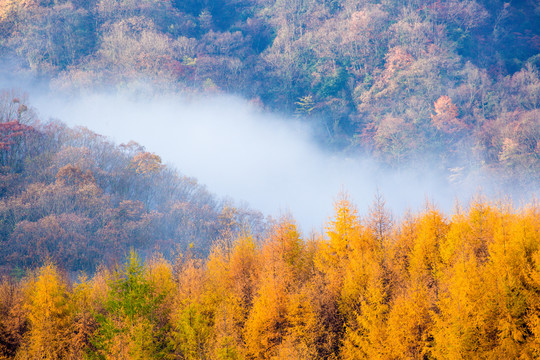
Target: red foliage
12, 132
17, 141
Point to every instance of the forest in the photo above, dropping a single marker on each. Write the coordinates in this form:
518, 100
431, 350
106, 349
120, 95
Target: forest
72, 196
407, 82
108, 253
431, 286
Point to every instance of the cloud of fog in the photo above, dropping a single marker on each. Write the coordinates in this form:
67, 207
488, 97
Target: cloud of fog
238, 151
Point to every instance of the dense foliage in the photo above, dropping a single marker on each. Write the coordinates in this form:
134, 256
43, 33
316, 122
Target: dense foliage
72, 196
429, 287
452, 81
456, 83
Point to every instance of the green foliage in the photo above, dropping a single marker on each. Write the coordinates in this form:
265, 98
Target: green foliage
126, 325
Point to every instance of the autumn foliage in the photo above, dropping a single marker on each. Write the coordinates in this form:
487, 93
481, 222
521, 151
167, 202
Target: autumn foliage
73, 197
446, 116
453, 82
428, 286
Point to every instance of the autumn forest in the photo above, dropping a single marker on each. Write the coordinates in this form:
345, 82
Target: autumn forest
431, 286
106, 252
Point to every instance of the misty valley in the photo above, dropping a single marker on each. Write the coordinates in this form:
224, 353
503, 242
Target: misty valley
264, 179
109, 253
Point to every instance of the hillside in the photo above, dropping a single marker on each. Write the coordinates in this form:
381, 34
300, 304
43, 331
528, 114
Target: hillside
73, 197
407, 82
108, 253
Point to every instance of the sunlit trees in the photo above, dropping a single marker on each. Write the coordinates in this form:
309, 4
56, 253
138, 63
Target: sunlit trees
127, 326
281, 322
233, 274
429, 286
192, 316
49, 317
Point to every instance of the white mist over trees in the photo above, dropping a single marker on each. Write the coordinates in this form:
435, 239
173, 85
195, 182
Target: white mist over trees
243, 152
187, 117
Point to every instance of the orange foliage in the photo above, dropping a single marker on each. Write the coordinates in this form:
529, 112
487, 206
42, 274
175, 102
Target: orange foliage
396, 59
146, 163
432, 287
446, 116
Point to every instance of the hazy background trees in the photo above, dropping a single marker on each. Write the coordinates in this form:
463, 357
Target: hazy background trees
74, 197
376, 72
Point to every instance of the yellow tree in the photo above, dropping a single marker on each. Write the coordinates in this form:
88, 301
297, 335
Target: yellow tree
331, 261
417, 263
160, 277
351, 262
473, 293
364, 296
530, 219
513, 270
334, 253
193, 311
84, 323
49, 316
464, 325
281, 319
230, 271
409, 324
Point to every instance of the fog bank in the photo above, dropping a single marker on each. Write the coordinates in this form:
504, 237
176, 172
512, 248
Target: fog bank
239, 151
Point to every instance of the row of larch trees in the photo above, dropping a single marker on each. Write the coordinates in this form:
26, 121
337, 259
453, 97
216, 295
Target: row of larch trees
430, 286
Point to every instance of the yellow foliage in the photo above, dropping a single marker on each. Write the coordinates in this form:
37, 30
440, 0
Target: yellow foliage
425, 256
465, 324
467, 286
49, 315
342, 232
410, 324
365, 333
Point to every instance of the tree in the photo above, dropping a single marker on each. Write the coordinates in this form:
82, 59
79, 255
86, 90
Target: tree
127, 327
193, 311
13, 316
53, 37
446, 116
281, 314
49, 316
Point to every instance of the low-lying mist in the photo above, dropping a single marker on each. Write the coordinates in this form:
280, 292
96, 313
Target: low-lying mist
239, 151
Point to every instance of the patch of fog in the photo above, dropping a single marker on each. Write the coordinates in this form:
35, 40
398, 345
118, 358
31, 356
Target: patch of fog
241, 152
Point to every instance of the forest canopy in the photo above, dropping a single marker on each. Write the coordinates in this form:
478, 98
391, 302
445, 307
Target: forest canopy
406, 82
430, 285
108, 253
72, 196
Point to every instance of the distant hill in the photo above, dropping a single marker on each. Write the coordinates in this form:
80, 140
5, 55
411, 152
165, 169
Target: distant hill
73, 197
456, 82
